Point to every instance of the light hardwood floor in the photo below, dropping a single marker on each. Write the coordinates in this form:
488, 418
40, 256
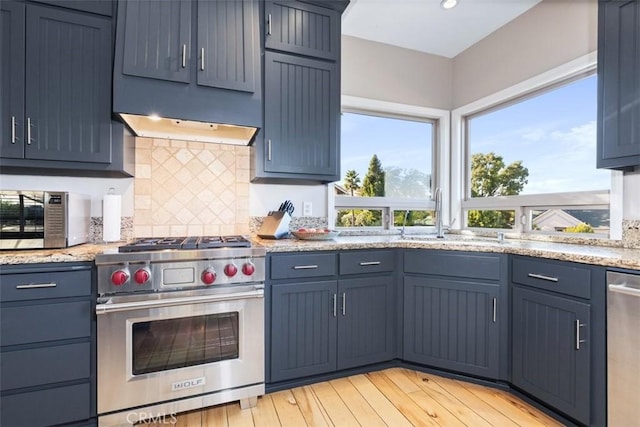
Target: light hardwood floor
394, 397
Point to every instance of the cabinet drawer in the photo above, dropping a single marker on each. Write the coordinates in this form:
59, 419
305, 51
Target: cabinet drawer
564, 278
45, 322
474, 266
32, 286
47, 407
300, 266
366, 262
39, 366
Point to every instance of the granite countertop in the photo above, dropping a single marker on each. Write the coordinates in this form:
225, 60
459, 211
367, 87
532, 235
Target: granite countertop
582, 253
586, 254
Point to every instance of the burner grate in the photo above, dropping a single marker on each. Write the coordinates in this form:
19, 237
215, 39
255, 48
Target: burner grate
192, 242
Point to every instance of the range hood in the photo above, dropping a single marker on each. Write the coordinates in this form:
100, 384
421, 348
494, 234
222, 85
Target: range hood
189, 130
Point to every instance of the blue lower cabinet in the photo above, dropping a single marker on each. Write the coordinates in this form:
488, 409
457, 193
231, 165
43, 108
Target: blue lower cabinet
47, 352
452, 324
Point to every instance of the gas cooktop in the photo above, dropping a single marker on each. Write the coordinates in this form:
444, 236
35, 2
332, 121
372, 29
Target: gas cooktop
192, 242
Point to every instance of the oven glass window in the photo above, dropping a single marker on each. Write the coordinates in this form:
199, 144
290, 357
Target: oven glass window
160, 345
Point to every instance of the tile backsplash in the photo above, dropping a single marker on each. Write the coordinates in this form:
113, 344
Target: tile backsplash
188, 188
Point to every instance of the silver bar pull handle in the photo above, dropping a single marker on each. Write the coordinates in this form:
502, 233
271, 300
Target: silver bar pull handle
269, 150
28, 130
37, 285
495, 310
202, 59
269, 24
364, 264
578, 340
335, 305
13, 129
627, 290
110, 307
543, 277
344, 303
184, 56
305, 267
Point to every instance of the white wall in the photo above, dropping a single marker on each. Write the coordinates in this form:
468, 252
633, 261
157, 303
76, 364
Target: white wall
267, 197
389, 73
548, 35
631, 195
94, 187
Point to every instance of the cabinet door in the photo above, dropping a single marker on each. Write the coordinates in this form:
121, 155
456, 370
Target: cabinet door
226, 45
157, 39
303, 329
619, 85
452, 324
12, 113
302, 29
302, 112
68, 75
365, 321
548, 361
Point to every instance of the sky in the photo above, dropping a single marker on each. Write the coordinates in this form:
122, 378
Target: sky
554, 135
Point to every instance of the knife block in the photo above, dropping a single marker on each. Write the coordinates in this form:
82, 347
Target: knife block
275, 226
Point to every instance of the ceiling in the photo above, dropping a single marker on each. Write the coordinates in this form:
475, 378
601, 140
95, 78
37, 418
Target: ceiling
424, 26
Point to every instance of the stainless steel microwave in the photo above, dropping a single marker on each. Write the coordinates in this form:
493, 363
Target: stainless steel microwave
43, 219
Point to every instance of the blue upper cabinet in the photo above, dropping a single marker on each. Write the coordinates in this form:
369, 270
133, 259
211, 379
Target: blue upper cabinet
55, 85
300, 140
189, 59
303, 29
618, 84
13, 56
158, 39
226, 50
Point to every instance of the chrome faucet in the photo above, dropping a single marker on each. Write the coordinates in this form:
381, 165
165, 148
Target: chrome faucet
404, 223
438, 213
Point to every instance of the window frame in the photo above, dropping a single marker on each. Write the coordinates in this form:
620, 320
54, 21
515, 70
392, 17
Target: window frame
440, 156
461, 200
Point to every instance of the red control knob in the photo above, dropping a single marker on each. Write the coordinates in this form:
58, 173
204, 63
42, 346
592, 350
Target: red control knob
119, 277
248, 268
208, 276
230, 270
141, 276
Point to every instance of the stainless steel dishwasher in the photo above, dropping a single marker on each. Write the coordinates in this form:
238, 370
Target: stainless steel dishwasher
623, 349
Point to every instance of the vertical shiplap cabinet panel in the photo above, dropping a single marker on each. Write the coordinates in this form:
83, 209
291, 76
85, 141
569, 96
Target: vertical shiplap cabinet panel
450, 324
302, 29
618, 84
12, 35
303, 340
302, 108
366, 322
226, 36
68, 86
546, 360
158, 39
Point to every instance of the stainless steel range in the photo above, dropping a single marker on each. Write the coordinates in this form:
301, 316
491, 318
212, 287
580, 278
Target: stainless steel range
180, 327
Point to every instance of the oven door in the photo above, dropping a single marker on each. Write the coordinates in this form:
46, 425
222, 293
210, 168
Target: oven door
167, 346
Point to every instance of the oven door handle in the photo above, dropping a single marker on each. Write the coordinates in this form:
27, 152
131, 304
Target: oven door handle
110, 307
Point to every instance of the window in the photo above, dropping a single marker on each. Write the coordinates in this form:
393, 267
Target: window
530, 163
387, 165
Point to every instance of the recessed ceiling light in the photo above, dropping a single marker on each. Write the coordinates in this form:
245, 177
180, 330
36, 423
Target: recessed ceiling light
448, 4
154, 117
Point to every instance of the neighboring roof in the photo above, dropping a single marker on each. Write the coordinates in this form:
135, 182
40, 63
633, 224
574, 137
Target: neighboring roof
554, 219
